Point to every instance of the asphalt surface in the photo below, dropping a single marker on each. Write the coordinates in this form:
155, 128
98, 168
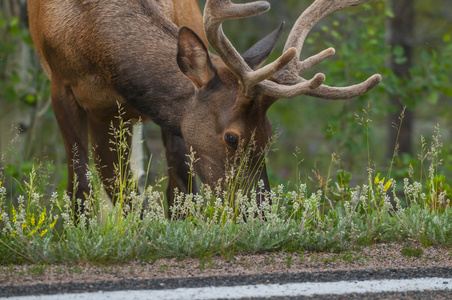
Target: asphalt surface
162, 284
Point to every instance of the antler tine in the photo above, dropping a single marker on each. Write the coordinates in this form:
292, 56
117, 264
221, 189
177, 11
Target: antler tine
311, 16
277, 91
290, 75
218, 11
338, 93
342, 93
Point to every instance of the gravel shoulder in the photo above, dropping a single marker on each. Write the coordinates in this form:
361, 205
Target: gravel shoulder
376, 257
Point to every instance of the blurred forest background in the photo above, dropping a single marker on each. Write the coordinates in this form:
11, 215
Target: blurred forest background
409, 42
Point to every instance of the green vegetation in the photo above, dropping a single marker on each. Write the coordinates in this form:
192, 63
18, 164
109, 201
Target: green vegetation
38, 228
412, 251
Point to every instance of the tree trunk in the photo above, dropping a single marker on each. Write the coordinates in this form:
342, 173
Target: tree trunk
400, 32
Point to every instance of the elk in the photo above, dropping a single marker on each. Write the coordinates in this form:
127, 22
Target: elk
99, 53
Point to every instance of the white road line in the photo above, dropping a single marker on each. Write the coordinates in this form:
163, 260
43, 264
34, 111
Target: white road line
265, 290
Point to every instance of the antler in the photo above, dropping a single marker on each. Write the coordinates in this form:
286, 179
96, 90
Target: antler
218, 11
290, 75
287, 67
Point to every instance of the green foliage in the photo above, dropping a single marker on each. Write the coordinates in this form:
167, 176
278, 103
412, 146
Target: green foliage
412, 252
42, 229
24, 89
14, 33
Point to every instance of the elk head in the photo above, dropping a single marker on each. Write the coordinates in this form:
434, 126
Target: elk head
232, 94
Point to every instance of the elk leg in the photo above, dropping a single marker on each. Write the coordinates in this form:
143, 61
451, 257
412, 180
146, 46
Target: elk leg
72, 120
178, 167
113, 166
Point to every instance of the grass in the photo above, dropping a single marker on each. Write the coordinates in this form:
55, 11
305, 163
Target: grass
412, 251
40, 228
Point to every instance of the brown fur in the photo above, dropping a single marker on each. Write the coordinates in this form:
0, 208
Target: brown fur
99, 53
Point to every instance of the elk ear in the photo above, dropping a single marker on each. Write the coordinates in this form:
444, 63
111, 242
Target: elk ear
193, 58
259, 52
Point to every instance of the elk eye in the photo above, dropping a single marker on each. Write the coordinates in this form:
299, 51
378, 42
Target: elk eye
232, 140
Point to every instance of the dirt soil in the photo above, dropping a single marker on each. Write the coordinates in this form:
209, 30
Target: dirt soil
380, 256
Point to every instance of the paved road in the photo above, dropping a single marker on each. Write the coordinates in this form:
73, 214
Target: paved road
434, 283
